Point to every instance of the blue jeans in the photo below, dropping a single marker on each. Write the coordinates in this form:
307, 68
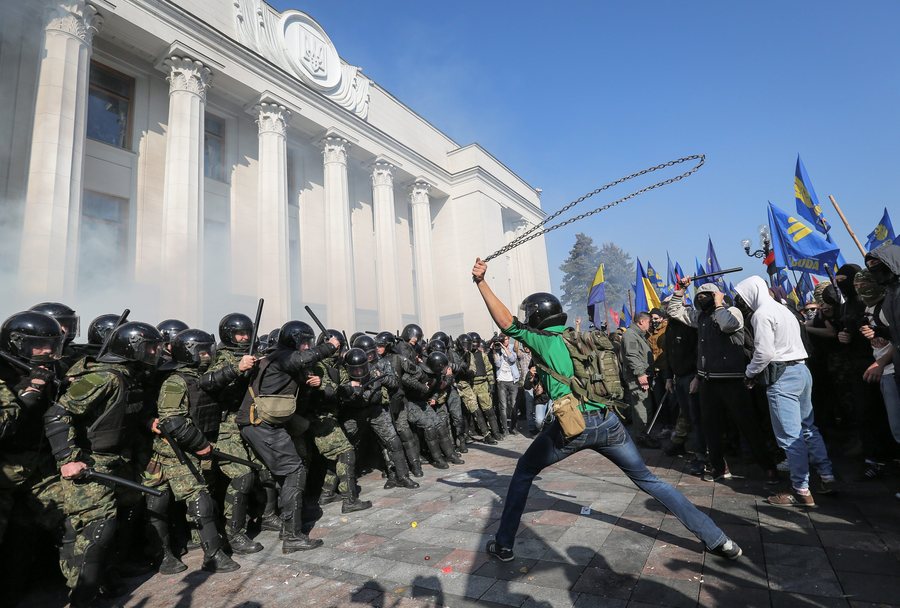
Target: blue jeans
606, 435
790, 407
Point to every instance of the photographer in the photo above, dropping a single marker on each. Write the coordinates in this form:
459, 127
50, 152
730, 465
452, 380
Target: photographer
507, 382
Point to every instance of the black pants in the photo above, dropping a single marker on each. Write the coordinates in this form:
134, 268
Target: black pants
724, 399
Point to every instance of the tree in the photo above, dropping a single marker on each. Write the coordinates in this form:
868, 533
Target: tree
579, 270
581, 266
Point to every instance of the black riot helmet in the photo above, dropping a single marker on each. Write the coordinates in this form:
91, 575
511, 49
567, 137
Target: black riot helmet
100, 328
32, 336
134, 341
437, 363
328, 334
271, 341
233, 324
367, 343
464, 343
385, 339
192, 347
65, 316
357, 363
436, 346
169, 328
442, 336
476, 340
296, 335
542, 310
354, 336
412, 331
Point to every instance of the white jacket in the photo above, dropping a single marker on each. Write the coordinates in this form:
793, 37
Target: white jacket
776, 331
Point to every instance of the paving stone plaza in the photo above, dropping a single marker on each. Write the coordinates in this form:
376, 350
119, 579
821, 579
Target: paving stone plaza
425, 547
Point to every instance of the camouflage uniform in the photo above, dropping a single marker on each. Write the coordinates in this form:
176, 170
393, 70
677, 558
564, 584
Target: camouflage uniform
327, 433
481, 377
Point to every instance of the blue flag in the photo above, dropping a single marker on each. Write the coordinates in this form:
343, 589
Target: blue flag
797, 245
712, 265
805, 288
656, 279
807, 201
596, 295
700, 270
625, 318
883, 233
645, 296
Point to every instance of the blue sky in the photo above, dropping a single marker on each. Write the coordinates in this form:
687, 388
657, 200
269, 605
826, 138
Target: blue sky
575, 94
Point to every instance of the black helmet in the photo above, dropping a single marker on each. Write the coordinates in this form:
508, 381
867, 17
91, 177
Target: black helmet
233, 324
65, 316
357, 363
271, 341
437, 363
464, 343
32, 336
436, 346
476, 339
190, 345
169, 328
442, 336
542, 310
328, 334
367, 343
295, 334
355, 335
134, 341
412, 331
385, 339
100, 328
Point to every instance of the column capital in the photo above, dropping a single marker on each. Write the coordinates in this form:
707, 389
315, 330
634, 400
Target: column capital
272, 118
76, 18
189, 75
335, 149
382, 173
419, 191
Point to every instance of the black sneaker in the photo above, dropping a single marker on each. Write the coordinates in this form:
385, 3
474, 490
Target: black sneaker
495, 550
729, 550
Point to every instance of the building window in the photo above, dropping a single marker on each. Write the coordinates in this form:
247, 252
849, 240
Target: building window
214, 148
103, 240
109, 106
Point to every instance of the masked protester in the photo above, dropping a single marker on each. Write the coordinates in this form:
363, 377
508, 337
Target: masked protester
543, 320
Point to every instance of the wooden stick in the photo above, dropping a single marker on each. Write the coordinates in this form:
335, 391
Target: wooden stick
847, 225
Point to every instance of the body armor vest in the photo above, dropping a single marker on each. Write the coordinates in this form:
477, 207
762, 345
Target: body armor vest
204, 411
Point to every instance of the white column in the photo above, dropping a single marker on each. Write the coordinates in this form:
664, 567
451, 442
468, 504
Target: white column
385, 245
338, 254
49, 252
182, 243
521, 265
421, 223
273, 273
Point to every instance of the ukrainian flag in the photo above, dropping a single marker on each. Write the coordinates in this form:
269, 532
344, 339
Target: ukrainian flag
656, 279
625, 319
807, 201
883, 233
797, 245
645, 297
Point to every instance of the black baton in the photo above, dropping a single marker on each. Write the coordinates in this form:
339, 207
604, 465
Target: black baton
236, 459
118, 481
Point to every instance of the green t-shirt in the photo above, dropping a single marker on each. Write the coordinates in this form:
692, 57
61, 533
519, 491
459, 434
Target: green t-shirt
549, 346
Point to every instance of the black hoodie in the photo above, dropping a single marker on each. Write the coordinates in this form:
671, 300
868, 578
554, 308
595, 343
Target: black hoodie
890, 257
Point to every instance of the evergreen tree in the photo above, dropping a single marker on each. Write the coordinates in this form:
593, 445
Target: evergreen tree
579, 269
581, 266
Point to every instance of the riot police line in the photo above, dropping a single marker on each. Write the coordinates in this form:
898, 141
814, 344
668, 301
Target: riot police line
147, 441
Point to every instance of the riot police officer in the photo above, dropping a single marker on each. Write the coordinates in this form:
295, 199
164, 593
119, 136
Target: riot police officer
464, 384
426, 392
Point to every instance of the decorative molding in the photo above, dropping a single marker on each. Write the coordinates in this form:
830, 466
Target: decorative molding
76, 18
335, 149
418, 193
295, 42
272, 118
382, 174
189, 75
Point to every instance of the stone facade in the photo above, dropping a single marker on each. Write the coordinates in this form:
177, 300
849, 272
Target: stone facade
327, 191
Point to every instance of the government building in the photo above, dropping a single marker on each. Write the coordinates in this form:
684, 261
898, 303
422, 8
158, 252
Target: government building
186, 157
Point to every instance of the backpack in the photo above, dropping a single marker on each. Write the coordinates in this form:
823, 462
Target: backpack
595, 374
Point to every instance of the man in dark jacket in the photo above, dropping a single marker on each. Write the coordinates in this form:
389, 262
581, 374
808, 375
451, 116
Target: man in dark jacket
681, 381
721, 362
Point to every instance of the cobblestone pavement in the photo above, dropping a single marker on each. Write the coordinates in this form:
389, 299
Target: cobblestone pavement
425, 547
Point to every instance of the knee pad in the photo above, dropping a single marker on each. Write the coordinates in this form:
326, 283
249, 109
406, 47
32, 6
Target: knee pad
243, 483
201, 508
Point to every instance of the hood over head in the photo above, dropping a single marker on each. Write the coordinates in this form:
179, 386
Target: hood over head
754, 291
710, 287
889, 256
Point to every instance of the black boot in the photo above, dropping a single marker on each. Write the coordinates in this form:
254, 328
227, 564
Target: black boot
158, 511
293, 537
296, 540
99, 535
391, 479
434, 446
446, 445
495, 428
271, 521
202, 511
406, 482
411, 449
236, 527
461, 444
352, 503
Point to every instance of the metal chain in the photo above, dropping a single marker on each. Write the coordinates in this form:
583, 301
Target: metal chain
531, 234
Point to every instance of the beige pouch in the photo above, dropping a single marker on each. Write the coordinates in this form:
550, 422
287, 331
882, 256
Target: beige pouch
570, 419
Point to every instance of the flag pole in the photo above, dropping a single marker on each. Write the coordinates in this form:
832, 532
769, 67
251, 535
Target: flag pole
847, 225
631, 302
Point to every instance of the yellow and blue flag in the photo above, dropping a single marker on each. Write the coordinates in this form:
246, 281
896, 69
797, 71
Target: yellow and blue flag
625, 318
596, 295
883, 233
645, 297
656, 279
807, 201
797, 245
